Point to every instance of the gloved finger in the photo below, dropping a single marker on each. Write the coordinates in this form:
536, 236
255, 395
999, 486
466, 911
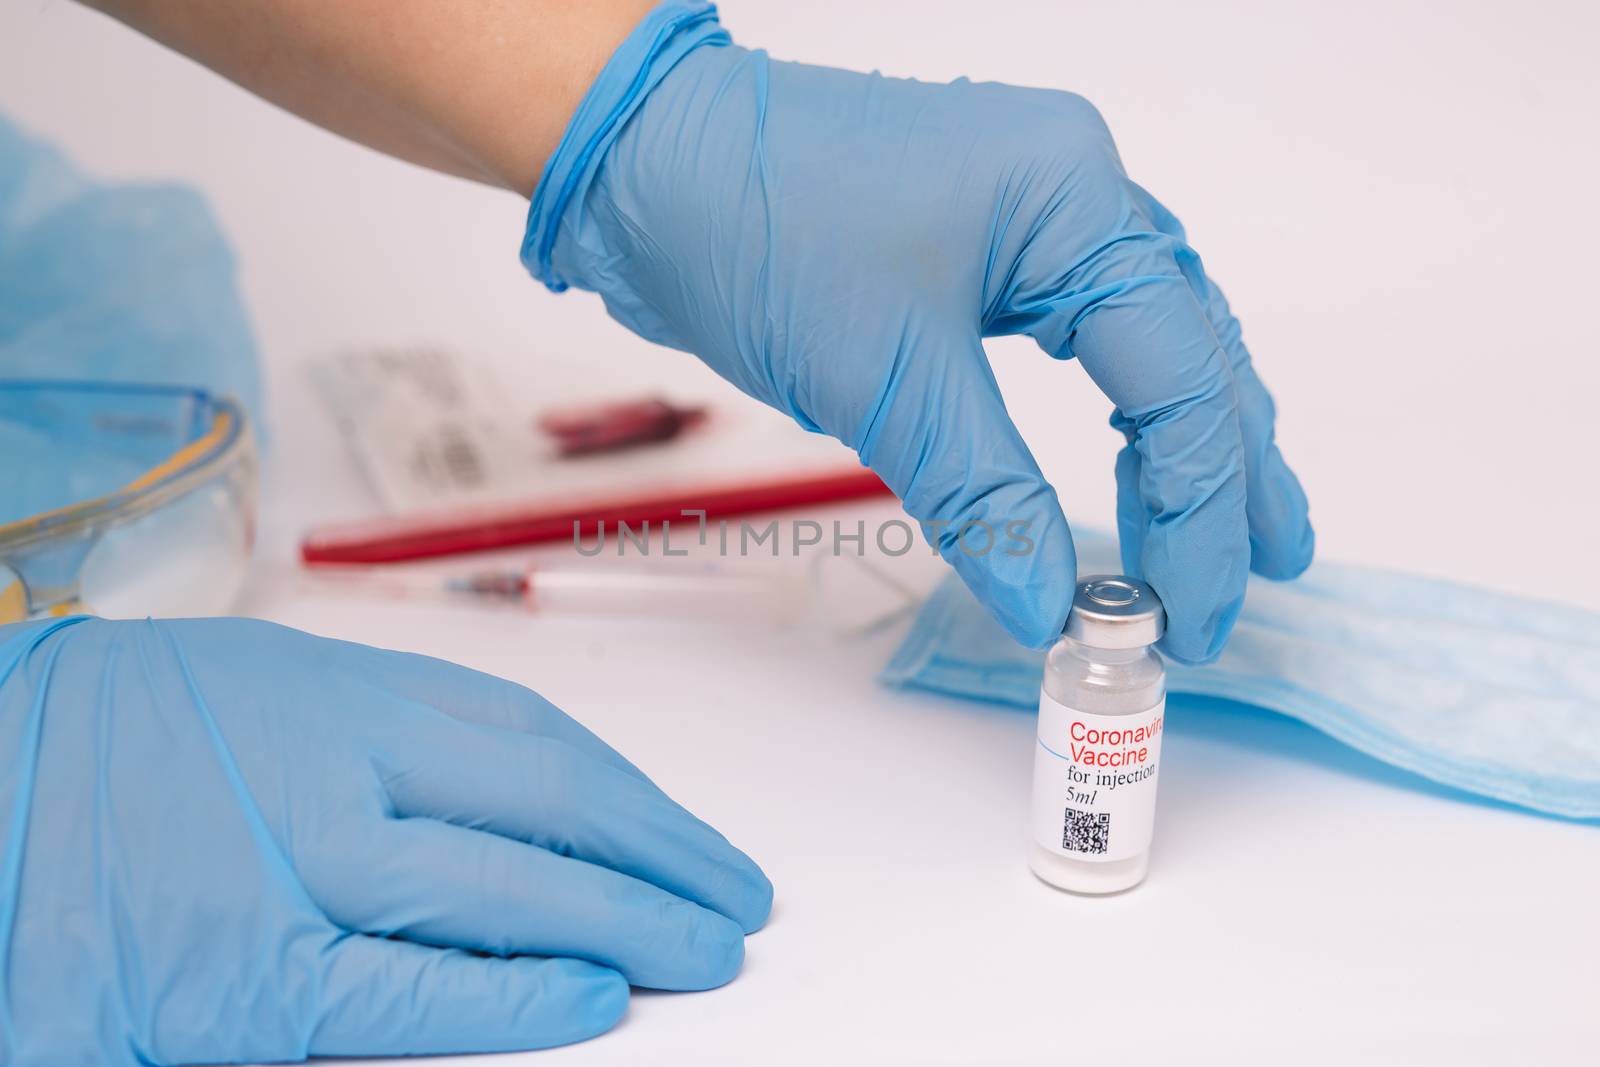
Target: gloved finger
1282, 542
547, 793
1133, 323
444, 885
395, 998
940, 437
1133, 516
483, 699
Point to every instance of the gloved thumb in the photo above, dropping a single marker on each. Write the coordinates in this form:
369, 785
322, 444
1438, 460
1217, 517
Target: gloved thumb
940, 437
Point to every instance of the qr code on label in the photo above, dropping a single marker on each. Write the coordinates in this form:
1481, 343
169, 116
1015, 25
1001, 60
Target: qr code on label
1086, 831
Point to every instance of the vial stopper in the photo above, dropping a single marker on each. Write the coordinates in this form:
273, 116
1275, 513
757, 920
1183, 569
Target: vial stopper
1115, 612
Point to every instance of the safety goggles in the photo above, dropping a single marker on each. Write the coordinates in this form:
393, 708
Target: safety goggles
122, 500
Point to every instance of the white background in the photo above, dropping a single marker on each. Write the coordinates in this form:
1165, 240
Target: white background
1399, 199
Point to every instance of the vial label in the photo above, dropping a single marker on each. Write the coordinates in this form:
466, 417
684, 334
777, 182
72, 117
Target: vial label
1094, 781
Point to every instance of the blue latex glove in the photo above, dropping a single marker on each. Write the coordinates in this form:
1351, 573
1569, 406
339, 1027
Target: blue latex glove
837, 244
223, 841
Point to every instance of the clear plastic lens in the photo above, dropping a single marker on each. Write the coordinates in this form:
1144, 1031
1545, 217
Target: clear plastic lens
64, 444
127, 501
130, 501
187, 557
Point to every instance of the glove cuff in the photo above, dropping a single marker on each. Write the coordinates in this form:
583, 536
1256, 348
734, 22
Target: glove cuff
670, 32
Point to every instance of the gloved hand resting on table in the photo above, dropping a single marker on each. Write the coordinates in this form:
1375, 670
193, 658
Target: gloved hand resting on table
224, 840
837, 244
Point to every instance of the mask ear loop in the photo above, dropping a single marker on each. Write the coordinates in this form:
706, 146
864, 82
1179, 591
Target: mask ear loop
859, 601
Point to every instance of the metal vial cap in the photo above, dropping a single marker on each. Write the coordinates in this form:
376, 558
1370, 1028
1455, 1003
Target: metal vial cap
1115, 612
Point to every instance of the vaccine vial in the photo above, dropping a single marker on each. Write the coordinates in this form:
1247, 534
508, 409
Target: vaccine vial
1101, 712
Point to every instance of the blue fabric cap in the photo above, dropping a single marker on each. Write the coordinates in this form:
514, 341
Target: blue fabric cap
130, 282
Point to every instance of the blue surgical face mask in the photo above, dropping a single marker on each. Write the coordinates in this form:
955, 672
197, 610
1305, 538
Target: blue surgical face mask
1472, 689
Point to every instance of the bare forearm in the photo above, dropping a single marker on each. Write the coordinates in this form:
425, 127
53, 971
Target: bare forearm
481, 89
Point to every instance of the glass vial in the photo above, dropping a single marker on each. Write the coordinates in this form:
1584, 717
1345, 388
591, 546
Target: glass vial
1101, 712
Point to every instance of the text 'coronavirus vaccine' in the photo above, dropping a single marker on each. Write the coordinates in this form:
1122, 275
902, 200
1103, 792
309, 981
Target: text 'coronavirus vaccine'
1102, 710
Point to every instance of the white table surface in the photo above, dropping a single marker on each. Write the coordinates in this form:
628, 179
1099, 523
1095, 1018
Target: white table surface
1399, 198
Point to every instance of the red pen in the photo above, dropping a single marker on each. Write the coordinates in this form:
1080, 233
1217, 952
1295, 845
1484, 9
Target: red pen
392, 539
